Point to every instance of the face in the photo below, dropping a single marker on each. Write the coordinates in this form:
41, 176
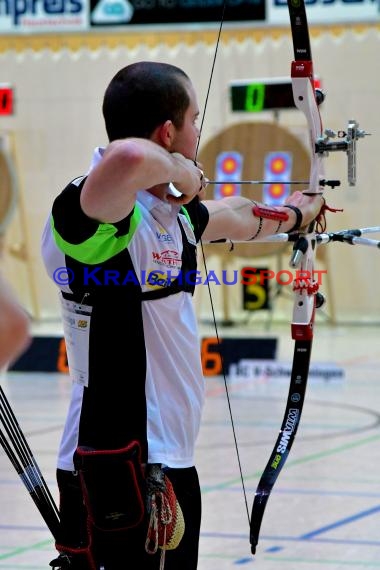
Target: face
185, 140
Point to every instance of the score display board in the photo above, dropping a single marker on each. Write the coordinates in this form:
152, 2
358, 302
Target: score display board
265, 94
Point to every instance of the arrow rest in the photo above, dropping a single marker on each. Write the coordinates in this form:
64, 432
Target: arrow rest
331, 183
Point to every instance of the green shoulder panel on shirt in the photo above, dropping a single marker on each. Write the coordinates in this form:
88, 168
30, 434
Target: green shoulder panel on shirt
101, 246
186, 214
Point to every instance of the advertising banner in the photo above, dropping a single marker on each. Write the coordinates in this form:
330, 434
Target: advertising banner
51, 16
28, 16
137, 12
326, 11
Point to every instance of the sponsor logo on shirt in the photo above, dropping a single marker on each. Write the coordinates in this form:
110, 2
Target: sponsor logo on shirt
168, 258
164, 237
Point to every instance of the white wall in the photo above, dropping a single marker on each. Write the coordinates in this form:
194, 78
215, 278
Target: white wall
58, 122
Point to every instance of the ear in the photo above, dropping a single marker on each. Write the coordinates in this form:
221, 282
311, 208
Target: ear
166, 133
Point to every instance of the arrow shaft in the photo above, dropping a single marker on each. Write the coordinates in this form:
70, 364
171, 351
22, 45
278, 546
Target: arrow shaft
256, 182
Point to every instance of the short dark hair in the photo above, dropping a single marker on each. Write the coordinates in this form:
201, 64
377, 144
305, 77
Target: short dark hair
142, 96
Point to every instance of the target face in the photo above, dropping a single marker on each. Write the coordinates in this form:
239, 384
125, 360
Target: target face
277, 171
229, 166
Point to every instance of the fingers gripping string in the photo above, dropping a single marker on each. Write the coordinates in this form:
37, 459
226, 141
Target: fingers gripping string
203, 179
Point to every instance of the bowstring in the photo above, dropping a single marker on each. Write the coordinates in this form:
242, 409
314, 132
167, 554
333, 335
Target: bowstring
208, 283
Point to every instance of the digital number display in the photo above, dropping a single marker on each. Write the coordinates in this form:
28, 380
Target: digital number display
262, 95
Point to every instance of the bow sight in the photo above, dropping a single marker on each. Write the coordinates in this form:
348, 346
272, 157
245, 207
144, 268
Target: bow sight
347, 143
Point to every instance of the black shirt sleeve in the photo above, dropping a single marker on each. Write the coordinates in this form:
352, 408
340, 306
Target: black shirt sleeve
199, 216
72, 224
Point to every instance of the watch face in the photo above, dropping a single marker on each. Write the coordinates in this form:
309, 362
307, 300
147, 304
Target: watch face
137, 12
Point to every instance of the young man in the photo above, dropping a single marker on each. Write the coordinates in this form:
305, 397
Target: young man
121, 245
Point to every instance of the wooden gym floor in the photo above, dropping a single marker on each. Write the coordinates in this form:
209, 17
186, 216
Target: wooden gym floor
324, 511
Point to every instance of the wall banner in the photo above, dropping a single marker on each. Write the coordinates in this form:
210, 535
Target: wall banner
36, 16
326, 11
273, 371
28, 16
138, 12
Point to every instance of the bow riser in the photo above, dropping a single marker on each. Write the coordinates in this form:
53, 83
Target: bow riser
305, 101
305, 289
